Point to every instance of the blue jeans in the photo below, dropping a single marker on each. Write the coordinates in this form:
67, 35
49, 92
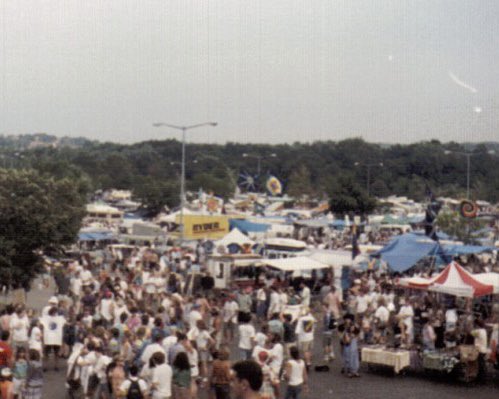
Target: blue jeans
245, 354
293, 392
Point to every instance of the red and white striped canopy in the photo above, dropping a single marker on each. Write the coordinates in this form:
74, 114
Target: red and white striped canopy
453, 280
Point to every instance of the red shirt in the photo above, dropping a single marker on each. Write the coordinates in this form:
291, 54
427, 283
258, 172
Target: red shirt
5, 354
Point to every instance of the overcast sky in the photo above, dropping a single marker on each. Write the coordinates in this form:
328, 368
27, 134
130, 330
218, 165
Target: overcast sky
266, 70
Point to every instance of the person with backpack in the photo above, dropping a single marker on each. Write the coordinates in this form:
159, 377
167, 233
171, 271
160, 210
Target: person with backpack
133, 387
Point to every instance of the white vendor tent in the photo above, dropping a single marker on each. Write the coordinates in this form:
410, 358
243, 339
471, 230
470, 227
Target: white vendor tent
338, 258
298, 263
489, 279
234, 237
285, 242
171, 218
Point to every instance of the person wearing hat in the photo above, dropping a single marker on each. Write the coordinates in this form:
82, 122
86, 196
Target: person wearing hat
53, 325
53, 301
6, 384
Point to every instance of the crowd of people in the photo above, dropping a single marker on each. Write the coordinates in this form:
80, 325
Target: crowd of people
129, 327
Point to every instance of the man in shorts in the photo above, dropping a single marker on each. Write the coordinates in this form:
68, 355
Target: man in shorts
53, 325
305, 328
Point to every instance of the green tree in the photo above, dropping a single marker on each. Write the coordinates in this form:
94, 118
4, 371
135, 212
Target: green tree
155, 194
463, 229
300, 182
348, 197
38, 215
220, 186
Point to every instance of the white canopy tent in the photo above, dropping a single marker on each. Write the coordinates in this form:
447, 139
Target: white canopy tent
338, 258
234, 237
171, 218
293, 264
285, 242
489, 279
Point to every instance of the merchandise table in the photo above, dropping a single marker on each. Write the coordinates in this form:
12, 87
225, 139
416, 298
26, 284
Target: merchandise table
395, 358
440, 361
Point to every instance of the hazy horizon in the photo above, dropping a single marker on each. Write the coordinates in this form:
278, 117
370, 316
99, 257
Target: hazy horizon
393, 71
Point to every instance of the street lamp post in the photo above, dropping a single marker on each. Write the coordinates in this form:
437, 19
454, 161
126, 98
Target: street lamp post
182, 177
369, 166
259, 159
468, 156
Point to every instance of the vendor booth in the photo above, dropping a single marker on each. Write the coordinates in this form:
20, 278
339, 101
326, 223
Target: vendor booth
233, 269
456, 281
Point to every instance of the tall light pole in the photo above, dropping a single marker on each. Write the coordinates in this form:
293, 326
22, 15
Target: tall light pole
369, 166
468, 156
259, 159
182, 177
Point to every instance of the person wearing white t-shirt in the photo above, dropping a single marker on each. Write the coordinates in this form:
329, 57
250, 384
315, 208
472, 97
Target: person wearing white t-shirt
53, 326
106, 308
451, 319
86, 277
295, 373
274, 302
276, 355
161, 382
99, 369
406, 316
203, 343
283, 300
305, 295
194, 316
19, 327
305, 327
480, 343
382, 313
229, 312
36, 339
362, 304
152, 348
261, 336
246, 338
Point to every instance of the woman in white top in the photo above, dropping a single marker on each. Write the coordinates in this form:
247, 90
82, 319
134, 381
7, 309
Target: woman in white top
19, 327
106, 308
276, 360
193, 356
35, 338
295, 374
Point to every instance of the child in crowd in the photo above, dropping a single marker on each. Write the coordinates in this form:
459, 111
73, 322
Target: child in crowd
20, 371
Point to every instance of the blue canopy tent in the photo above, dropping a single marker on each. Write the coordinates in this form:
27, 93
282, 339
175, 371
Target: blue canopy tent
456, 250
96, 236
248, 227
404, 251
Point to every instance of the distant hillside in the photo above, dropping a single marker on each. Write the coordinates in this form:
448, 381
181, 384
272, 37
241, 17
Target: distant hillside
41, 140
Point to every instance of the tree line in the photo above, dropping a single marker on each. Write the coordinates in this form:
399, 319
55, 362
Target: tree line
151, 169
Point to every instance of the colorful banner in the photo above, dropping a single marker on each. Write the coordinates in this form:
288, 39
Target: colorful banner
274, 186
204, 226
